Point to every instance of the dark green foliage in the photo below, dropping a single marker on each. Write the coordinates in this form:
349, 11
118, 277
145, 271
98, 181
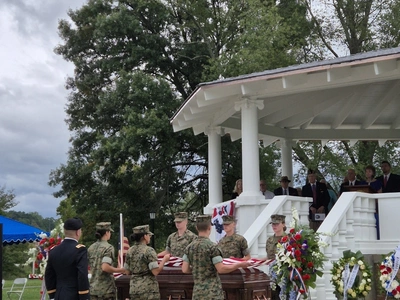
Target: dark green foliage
135, 62
7, 199
33, 219
14, 257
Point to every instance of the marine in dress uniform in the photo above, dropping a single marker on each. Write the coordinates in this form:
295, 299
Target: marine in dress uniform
66, 275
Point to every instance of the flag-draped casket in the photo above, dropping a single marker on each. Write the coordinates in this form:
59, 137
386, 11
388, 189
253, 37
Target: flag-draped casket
242, 284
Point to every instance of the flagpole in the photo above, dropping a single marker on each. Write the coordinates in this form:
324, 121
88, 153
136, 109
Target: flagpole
121, 240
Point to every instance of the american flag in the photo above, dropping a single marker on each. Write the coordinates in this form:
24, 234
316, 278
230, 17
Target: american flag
125, 248
177, 261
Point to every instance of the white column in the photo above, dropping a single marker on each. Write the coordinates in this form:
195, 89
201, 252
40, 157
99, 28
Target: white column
248, 203
214, 167
250, 147
286, 159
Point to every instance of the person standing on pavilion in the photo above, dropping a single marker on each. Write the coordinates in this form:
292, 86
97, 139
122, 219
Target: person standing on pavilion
285, 189
320, 195
390, 182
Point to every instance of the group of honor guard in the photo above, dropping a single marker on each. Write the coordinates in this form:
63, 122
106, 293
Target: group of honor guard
66, 275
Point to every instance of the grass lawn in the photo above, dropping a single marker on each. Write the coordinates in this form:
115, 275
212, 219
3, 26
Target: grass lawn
32, 290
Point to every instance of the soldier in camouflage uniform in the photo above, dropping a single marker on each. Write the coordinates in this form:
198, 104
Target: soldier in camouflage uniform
278, 226
203, 258
101, 257
178, 241
233, 244
141, 263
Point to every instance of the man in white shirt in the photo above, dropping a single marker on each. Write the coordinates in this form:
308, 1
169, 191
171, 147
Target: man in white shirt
352, 180
263, 188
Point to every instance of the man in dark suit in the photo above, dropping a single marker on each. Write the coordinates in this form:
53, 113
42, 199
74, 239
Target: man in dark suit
66, 274
351, 176
390, 182
285, 189
320, 195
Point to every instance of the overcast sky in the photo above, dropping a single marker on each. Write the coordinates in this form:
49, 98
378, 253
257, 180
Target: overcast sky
33, 134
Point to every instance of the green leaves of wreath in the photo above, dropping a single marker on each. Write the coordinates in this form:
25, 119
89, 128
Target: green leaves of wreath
351, 276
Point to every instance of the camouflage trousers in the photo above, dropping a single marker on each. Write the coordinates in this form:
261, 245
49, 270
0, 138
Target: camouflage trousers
106, 297
152, 296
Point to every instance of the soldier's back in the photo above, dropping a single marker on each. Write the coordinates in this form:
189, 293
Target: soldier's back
207, 284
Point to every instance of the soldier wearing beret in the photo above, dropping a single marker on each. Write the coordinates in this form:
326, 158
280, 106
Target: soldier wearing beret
278, 226
141, 263
66, 275
101, 258
203, 259
178, 241
233, 244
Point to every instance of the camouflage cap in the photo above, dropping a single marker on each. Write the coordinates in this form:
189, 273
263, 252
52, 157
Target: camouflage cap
228, 219
276, 219
203, 219
104, 226
180, 216
142, 229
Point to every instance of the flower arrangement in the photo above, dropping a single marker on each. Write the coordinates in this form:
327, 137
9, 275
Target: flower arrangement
389, 268
39, 254
299, 261
351, 276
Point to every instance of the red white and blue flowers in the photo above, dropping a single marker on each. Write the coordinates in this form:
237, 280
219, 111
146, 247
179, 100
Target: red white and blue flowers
389, 268
39, 254
299, 261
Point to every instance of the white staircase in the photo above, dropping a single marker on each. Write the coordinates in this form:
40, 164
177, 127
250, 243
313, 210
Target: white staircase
352, 220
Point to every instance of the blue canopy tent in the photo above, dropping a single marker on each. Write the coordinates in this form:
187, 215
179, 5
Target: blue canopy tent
15, 232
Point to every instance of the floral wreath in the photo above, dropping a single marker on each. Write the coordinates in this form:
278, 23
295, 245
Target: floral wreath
351, 276
298, 262
38, 255
388, 274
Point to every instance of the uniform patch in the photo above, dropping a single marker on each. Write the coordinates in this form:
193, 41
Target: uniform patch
79, 246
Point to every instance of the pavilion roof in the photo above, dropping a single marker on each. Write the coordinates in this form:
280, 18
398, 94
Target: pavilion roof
356, 97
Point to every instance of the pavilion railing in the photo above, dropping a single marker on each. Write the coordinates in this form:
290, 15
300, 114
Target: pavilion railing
351, 224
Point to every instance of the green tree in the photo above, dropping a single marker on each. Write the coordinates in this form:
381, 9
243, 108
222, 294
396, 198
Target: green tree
7, 199
135, 61
33, 219
14, 256
65, 209
353, 26
340, 27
